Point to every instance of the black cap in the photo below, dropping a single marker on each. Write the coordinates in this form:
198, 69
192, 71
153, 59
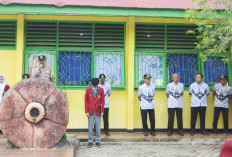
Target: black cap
147, 76
102, 76
223, 77
95, 81
26, 76
41, 58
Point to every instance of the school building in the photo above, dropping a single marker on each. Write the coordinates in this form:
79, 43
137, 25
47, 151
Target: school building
122, 39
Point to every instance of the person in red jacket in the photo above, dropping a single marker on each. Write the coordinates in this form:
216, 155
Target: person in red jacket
3, 87
94, 109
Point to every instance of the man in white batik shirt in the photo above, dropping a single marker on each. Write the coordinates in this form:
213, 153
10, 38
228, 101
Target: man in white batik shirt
107, 91
199, 91
222, 93
174, 92
146, 94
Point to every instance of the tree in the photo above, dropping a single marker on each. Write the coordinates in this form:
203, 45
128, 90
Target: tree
214, 25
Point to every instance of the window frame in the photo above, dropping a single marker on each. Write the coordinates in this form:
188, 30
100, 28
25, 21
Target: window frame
15, 41
166, 52
92, 50
150, 53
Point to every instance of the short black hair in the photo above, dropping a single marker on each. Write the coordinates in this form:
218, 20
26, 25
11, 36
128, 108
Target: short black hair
95, 81
200, 74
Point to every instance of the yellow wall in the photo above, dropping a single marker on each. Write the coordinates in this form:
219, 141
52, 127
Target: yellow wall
124, 105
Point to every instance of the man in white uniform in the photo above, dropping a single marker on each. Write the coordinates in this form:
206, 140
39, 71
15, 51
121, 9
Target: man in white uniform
222, 93
107, 91
199, 91
174, 92
146, 94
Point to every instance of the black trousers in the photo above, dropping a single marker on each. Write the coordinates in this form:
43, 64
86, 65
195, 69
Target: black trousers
151, 113
194, 113
171, 115
106, 119
217, 111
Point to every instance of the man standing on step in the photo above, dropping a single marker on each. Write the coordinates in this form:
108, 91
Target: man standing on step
198, 92
107, 91
94, 109
174, 92
146, 94
222, 93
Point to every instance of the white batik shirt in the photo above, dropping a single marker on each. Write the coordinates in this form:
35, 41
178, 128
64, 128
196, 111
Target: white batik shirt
174, 94
221, 95
199, 93
107, 92
146, 96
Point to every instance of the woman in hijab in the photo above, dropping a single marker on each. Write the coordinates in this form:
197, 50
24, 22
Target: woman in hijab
3, 87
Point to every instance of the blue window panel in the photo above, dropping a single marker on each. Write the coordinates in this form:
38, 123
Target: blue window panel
186, 65
214, 67
74, 66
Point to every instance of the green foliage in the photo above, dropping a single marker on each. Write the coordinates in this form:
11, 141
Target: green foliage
214, 25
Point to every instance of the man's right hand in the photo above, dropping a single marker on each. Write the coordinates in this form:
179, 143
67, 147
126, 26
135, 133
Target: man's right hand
40, 66
87, 114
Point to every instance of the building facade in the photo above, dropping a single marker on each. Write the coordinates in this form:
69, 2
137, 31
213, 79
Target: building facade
81, 42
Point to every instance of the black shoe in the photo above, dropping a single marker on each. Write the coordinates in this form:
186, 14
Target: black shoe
153, 133
170, 133
98, 145
203, 132
226, 133
145, 133
192, 132
90, 145
215, 132
107, 133
181, 133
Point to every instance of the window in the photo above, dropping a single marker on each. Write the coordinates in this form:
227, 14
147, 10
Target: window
186, 65
8, 35
110, 64
214, 67
164, 49
80, 51
152, 64
74, 68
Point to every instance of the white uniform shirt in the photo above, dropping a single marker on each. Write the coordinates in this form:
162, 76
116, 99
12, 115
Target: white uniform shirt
174, 94
221, 95
199, 93
146, 96
107, 92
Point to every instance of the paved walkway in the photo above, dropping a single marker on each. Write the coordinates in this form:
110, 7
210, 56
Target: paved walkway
136, 145
149, 150
132, 144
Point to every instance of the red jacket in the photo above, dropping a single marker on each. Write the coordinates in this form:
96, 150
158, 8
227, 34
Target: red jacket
94, 103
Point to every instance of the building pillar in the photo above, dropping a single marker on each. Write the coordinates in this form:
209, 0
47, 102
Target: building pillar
130, 28
20, 47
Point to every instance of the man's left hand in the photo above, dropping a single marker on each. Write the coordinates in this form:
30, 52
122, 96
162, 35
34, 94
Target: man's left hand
102, 113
